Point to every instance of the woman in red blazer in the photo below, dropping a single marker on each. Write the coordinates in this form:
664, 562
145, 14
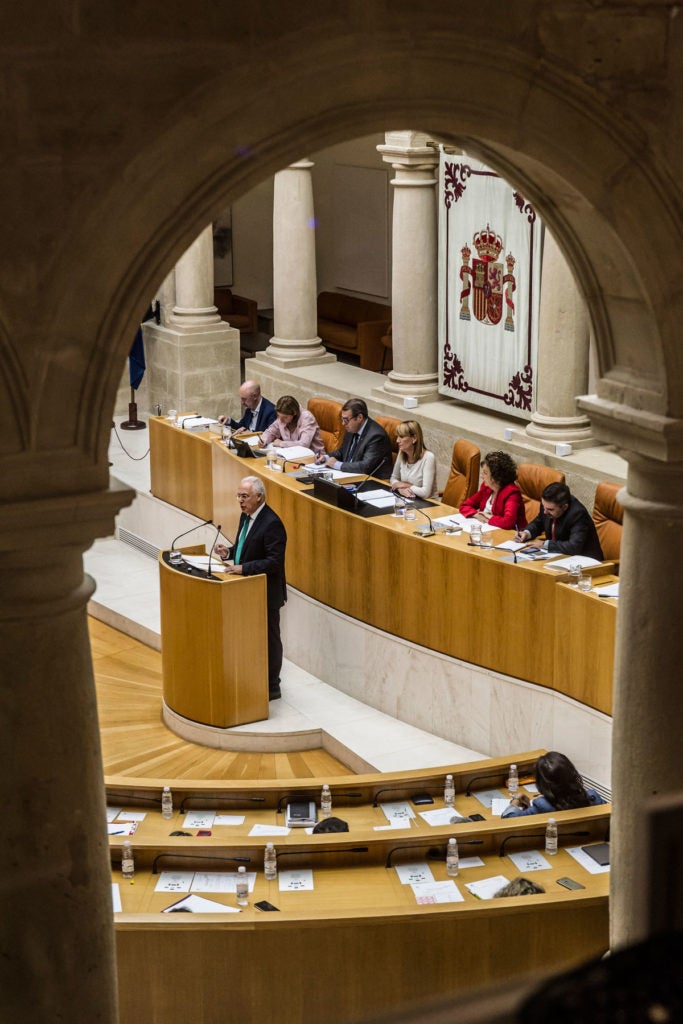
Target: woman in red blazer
498, 501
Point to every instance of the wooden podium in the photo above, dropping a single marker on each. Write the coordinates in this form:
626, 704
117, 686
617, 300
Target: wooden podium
214, 650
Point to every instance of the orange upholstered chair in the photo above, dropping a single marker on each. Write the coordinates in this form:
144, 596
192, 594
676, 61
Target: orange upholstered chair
608, 515
328, 414
463, 479
531, 480
390, 423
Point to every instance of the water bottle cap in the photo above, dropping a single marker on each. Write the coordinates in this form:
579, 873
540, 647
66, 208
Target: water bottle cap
551, 821
167, 789
241, 869
513, 766
449, 777
269, 846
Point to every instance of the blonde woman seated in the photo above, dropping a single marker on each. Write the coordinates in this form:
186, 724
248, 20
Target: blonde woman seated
292, 426
414, 473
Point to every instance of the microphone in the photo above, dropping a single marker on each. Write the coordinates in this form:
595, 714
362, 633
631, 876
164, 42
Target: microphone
197, 856
421, 533
208, 568
317, 853
433, 851
207, 522
193, 416
537, 835
480, 778
307, 796
366, 478
222, 798
290, 462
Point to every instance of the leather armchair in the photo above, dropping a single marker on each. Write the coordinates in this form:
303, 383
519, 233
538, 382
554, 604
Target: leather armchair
531, 479
608, 515
328, 414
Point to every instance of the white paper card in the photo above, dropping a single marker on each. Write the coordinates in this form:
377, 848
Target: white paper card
174, 881
470, 862
220, 881
486, 888
269, 830
498, 806
295, 881
199, 905
132, 816
529, 860
612, 590
229, 819
414, 874
116, 898
398, 810
437, 892
531, 787
440, 816
587, 862
199, 819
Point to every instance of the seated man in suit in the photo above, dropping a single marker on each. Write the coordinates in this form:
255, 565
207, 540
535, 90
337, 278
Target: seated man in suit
257, 412
568, 528
260, 548
366, 447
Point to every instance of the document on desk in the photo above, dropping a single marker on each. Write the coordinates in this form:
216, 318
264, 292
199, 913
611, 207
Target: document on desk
270, 830
612, 590
498, 806
199, 819
511, 545
397, 810
296, 451
587, 862
337, 474
486, 888
487, 796
202, 562
529, 860
442, 816
122, 828
295, 880
219, 881
378, 498
199, 905
470, 862
116, 898
437, 892
112, 812
229, 819
563, 564
415, 873
132, 815
174, 881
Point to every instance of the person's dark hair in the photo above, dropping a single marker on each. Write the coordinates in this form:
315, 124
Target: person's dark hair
356, 406
502, 467
559, 782
290, 407
558, 493
330, 825
519, 887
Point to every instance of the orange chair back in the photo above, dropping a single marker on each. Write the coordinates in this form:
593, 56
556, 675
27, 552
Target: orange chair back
463, 479
390, 423
608, 515
328, 414
531, 480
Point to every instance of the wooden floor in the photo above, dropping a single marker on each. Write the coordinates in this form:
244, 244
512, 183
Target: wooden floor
136, 743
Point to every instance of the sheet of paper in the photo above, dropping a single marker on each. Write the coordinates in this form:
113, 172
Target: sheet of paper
530, 787
112, 812
537, 556
337, 474
387, 501
199, 819
587, 862
440, 816
229, 819
529, 860
486, 888
470, 862
415, 873
199, 905
296, 451
437, 892
393, 824
612, 590
202, 562
197, 422
122, 828
583, 560
269, 830
220, 881
487, 796
174, 881
116, 898
377, 492
498, 806
397, 810
132, 816
295, 881
456, 521
510, 545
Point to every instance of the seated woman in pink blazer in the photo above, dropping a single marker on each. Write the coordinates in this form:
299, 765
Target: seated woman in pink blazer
498, 501
292, 426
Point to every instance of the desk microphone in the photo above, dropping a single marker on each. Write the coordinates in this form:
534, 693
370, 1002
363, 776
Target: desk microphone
431, 532
207, 522
290, 462
537, 835
215, 540
366, 478
433, 851
193, 416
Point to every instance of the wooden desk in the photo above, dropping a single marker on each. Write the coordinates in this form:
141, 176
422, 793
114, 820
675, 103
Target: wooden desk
180, 467
584, 645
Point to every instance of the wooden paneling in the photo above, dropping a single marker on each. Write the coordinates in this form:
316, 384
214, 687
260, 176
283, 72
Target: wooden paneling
584, 646
180, 467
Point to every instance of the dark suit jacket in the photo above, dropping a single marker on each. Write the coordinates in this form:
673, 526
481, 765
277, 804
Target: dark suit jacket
266, 415
372, 454
264, 552
575, 532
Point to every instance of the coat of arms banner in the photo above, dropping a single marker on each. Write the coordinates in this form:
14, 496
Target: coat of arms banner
490, 244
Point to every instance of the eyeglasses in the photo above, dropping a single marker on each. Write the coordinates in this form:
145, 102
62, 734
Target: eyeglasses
243, 496
347, 419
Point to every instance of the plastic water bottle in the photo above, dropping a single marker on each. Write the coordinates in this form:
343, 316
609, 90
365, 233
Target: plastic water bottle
449, 791
326, 802
551, 837
270, 862
242, 886
127, 862
452, 858
166, 804
513, 781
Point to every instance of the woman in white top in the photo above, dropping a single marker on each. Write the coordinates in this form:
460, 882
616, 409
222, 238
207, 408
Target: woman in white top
414, 474
292, 426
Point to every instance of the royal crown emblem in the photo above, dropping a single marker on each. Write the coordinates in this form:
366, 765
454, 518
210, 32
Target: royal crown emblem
487, 279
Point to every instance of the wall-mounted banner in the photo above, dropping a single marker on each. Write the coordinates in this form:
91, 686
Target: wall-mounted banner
490, 248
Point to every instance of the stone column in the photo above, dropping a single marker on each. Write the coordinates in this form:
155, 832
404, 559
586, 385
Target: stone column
295, 341
57, 947
414, 265
193, 357
563, 355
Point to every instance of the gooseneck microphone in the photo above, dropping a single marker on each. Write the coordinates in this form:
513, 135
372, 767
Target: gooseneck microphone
536, 835
208, 568
192, 416
421, 533
207, 522
366, 478
433, 852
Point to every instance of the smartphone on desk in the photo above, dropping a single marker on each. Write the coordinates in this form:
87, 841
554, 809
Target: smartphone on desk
265, 905
569, 883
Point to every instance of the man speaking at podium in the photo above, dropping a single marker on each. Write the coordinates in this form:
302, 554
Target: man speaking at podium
260, 548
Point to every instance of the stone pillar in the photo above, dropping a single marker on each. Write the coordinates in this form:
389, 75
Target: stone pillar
563, 355
57, 948
193, 357
295, 341
414, 265
648, 696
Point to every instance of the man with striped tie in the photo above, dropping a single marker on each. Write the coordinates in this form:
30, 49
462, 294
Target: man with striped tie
260, 548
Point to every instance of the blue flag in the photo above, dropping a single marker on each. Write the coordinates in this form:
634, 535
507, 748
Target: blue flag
136, 361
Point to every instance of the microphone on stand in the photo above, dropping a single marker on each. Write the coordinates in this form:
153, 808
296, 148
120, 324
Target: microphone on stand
431, 532
366, 478
193, 416
172, 551
208, 568
290, 462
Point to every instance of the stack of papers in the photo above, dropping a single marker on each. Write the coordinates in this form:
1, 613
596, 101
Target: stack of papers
563, 564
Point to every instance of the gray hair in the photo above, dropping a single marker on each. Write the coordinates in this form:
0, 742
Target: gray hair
257, 485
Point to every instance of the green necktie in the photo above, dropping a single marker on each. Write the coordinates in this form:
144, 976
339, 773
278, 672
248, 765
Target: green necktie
241, 539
